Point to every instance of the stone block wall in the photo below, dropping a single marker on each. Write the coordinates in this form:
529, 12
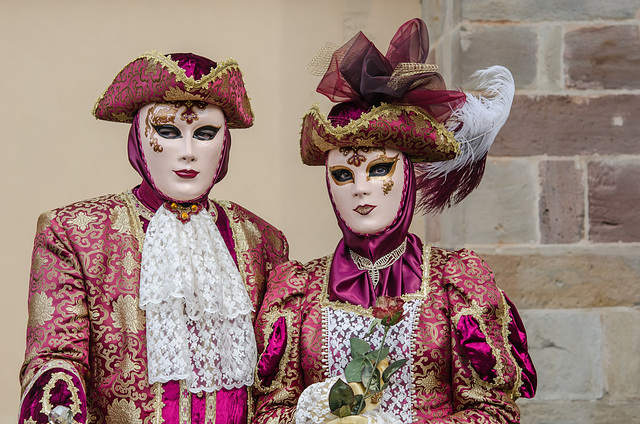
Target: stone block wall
557, 215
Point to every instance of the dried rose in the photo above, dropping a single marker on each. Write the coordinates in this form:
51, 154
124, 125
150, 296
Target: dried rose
389, 310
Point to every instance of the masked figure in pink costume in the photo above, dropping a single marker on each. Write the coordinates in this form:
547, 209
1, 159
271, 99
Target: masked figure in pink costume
141, 304
463, 338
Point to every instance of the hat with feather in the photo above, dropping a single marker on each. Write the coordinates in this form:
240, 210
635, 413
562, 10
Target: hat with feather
398, 100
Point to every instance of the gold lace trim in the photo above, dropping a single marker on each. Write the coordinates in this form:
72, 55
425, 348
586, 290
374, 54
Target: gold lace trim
46, 396
385, 110
136, 209
476, 311
158, 405
506, 320
239, 240
422, 293
211, 404
271, 317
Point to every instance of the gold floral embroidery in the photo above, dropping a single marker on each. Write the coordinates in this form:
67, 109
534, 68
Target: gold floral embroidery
175, 94
30, 421
37, 263
123, 411
40, 309
46, 395
127, 315
445, 140
127, 366
506, 320
129, 263
44, 221
120, 219
428, 382
82, 221
78, 309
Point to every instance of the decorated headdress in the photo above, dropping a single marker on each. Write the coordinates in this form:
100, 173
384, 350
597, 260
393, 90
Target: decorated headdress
397, 100
157, 77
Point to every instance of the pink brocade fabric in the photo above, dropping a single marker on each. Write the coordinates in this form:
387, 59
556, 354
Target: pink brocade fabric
83, 306
444, 388
154, 77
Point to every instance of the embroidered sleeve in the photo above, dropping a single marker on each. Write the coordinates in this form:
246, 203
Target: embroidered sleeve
279, 377
56, 359
486, 378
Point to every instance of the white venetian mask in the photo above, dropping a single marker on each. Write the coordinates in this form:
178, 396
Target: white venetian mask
366, 186
182, 145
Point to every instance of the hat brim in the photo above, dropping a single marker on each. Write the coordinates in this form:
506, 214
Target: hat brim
405, 128
154, 77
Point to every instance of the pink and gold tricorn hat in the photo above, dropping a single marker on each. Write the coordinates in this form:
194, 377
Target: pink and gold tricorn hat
157, 77
399, 101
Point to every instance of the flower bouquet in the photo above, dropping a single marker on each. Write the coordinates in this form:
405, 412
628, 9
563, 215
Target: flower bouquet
369, 371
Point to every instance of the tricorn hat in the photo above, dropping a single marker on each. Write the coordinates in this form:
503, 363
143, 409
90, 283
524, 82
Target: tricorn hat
398, 100
156, 77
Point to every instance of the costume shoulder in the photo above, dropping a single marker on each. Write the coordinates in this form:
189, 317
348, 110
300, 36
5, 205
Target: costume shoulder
252, 227
487, 327
85, 213
294, 279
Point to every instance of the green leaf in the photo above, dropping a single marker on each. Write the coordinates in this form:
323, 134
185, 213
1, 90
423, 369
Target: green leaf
371, 378
343, 411
384, 352
357, 408
353, 370
376, 322
386, 375
359, 347
340, 395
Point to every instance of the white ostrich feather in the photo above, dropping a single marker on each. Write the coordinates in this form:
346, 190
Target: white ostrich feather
479, 119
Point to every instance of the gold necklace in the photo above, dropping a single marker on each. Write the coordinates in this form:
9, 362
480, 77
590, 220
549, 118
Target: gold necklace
365, 264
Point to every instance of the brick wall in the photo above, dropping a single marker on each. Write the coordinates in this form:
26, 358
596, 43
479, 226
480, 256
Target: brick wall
557, 215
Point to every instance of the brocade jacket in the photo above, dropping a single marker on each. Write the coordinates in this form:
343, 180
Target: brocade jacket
466, 345
86, 344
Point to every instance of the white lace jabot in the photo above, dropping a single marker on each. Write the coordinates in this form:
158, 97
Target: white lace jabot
197, 308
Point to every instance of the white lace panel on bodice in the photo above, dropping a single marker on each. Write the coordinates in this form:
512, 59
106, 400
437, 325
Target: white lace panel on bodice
342, 324
197, 307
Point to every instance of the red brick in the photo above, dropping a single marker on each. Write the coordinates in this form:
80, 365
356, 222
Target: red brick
561, 202
571, 125
614, 201
603, 57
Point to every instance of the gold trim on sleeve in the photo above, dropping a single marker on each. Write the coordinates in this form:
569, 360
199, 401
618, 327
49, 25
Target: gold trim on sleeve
271, 317
46, 396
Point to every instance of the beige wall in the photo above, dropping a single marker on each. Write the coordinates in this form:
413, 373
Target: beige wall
58, 57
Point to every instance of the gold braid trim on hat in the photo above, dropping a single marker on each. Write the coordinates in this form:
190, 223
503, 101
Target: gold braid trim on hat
446, 141
191, 83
